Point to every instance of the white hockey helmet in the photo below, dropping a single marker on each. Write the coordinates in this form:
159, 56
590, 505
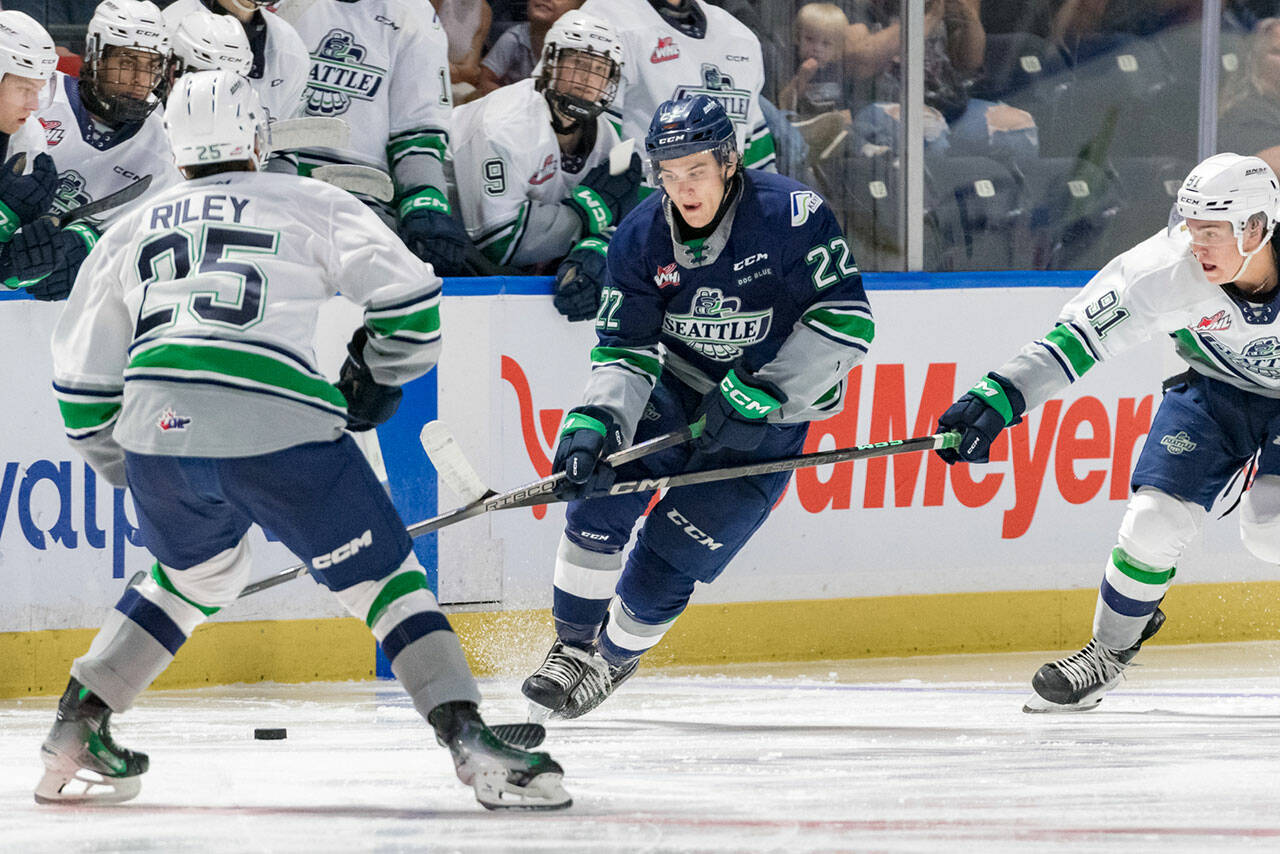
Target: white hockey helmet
26, 50
1230, 188
203, 41
138, 26
216, 117
578, 94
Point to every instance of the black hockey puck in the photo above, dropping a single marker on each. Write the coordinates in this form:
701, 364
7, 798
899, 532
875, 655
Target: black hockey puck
269, 734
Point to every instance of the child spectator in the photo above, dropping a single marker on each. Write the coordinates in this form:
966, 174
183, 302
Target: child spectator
820, 84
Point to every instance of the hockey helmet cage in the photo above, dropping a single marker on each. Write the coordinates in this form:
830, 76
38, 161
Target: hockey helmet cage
687, 126
138, 26
203, 41
216, 117
577, 93
26, 50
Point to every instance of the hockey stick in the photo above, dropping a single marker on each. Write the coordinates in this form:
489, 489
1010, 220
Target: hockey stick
354, 178
119, 197
476, 508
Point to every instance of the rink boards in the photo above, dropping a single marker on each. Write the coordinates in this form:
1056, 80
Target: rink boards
887, 557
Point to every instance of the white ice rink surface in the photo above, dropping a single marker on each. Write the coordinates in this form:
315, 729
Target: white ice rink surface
921, 754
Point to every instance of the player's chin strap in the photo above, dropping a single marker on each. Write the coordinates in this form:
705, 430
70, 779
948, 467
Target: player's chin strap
1248, 256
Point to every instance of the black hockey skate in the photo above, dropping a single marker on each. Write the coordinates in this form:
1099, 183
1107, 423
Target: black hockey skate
502, 775
601, 680
1079, 682
83, 764
549, 687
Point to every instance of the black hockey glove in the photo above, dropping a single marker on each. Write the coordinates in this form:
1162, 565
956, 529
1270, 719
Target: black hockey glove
736, 412
579, 279
368, 402
979, 416
431, 233
25, 198
45, 259
588, 435
601, 200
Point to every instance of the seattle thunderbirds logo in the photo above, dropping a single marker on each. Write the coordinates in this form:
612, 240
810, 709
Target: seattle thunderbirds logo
717, 327
70, 192
1260, 356
719, 86
339, 74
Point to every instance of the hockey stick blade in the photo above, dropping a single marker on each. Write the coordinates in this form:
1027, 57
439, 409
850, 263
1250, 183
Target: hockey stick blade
476, 508
526, 736
309, 132
106, 203
450, 463
354, 178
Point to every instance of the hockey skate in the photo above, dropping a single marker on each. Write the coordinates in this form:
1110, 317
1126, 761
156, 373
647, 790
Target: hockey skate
83, 764
1079, 682
502, 775
601, 680
549, 687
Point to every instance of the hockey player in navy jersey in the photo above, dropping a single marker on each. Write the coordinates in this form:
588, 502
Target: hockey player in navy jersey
181, 373
746, 282
1208, 281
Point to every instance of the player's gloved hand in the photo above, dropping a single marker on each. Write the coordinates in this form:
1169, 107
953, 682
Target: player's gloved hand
601, 200
438, 239
579, 279
25, 198
736, 412
589, 434
45, 259
979, 416
369, 403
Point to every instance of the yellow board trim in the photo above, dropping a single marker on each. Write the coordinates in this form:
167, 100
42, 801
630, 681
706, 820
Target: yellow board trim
509, 643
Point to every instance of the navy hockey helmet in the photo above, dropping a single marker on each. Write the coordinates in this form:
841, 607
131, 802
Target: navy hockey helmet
687, 126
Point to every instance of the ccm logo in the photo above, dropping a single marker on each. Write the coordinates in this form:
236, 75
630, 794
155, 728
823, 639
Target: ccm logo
749, 260
698, 535
343, 552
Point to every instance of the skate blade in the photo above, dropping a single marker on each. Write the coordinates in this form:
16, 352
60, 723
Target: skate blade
543, 792
527, 736
1037, 705
82, 786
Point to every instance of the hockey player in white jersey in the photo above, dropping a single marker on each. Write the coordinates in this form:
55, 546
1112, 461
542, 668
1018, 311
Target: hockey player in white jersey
680, 48
27, 62
184, 368
203, 41
1210, 283
532, 164
383, 66
280, 62
103, 133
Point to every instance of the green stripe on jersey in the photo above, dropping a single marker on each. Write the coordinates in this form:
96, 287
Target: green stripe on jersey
1066, 340
425, 321
399, 585
635, 358
434, 144
844, 323
500, 249
1140, 571
576, 421
1191, 344
81, 416
236, 363
759, 150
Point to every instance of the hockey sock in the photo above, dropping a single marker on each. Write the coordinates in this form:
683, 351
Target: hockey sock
626, 638
416, 637
584, 584
138, 640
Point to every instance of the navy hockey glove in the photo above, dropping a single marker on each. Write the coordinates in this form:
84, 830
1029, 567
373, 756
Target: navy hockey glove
736, 412
601, 200
588, 435
579, 279
431, 233
979, 416
25, 198
45, 259
369, 403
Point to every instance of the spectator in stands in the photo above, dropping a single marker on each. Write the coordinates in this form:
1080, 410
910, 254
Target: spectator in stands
516, 52
466, 23
1249, 119
955, 43
820, 83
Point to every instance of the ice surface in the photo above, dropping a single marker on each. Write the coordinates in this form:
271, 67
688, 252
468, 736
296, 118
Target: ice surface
921, 754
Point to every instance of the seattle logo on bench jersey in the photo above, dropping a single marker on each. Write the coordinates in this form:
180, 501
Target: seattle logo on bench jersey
70, 192
719, 86
339, 74
717, 327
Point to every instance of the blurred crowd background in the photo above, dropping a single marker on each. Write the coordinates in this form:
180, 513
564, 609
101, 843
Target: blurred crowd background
1055, 131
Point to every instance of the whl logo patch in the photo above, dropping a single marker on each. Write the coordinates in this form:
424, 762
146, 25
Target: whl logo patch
170, 420
668, 275
1217, 323
338, 74
53, 131
717, 327
666, 50
1178, 443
